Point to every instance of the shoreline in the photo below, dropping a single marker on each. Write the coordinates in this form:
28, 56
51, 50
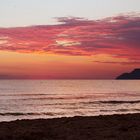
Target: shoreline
109, 127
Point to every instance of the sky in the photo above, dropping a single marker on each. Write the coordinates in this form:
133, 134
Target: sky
68, 39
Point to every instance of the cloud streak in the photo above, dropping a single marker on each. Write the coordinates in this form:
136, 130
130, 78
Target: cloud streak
121, 63
117, 36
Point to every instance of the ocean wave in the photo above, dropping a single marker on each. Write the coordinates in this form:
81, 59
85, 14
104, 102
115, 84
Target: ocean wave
120, 102
112, 102
40, 94
29, 114
56, 98
120, 110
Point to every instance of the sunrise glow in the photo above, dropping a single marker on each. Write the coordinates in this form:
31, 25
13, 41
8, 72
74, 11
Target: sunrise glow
80, 46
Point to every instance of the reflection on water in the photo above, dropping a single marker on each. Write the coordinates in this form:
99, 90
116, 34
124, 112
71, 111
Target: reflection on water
28, 99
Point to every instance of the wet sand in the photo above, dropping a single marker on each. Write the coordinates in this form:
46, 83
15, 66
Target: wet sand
114, 127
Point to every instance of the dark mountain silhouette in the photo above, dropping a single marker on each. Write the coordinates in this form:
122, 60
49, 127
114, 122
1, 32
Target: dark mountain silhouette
135, 74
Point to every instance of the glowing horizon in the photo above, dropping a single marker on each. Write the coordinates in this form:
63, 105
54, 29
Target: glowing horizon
81, 46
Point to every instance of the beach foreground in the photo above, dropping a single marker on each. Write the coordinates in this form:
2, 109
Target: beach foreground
77, 128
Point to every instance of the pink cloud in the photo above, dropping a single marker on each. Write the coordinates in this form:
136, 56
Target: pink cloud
117, 36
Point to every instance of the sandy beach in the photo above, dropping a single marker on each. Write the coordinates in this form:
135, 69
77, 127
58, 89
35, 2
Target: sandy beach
112, 127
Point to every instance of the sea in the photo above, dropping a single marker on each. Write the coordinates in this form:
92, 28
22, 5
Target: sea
34, 99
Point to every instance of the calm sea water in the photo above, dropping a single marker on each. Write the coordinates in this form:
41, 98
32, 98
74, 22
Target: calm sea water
29, 99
